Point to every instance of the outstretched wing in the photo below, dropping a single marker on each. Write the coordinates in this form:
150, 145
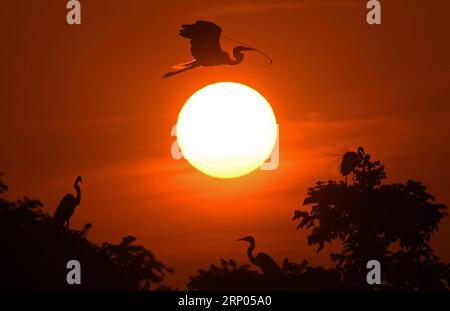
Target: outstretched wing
204, 37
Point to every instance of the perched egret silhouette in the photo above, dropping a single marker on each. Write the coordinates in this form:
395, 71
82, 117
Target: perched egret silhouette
266, 263
206, 50
67, 206
350, 161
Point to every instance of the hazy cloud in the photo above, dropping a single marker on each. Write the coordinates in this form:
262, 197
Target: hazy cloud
234, 8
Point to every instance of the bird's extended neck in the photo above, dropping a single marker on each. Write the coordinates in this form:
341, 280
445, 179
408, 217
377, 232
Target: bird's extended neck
78, 197
250, 252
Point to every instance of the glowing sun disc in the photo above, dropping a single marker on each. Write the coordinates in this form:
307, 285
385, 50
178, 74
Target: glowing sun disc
226, 130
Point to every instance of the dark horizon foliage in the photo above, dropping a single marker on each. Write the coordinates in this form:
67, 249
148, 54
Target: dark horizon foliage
368, 218
391, 223
35, 252
297, 277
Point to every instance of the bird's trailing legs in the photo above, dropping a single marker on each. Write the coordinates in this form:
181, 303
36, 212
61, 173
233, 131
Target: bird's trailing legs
172, 73
184, 65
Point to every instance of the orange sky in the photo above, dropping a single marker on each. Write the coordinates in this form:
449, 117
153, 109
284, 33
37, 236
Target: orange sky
89, 100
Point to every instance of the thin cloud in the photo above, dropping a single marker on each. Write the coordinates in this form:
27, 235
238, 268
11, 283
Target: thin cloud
237, 8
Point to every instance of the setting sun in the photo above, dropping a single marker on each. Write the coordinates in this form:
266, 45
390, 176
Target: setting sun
226, 130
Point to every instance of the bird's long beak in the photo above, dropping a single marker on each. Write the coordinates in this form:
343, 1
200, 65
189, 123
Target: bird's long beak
247, 49
240, 240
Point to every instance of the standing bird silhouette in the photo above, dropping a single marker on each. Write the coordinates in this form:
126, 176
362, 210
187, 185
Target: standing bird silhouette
266, 263
67, 206
350, 161
206, 50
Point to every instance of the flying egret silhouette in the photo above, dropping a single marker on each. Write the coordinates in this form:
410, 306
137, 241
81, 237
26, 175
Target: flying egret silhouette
67, 206
266, 263
350, 161
206, 50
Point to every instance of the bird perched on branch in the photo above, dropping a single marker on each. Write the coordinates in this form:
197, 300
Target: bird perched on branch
352, 160
206, 50
266, 263
67, 206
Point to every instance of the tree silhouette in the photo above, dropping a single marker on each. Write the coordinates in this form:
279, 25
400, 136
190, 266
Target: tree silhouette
35, 251
3, 187
137, 263
370, 219
392, 223
229, 276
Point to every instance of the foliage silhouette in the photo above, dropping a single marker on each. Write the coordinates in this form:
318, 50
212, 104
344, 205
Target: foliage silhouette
290, 276
229, 276
3, 187
392, 223
35, 252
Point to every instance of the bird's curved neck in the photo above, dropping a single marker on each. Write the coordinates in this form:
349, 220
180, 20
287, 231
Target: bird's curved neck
250, 252
238, 57
78, 197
